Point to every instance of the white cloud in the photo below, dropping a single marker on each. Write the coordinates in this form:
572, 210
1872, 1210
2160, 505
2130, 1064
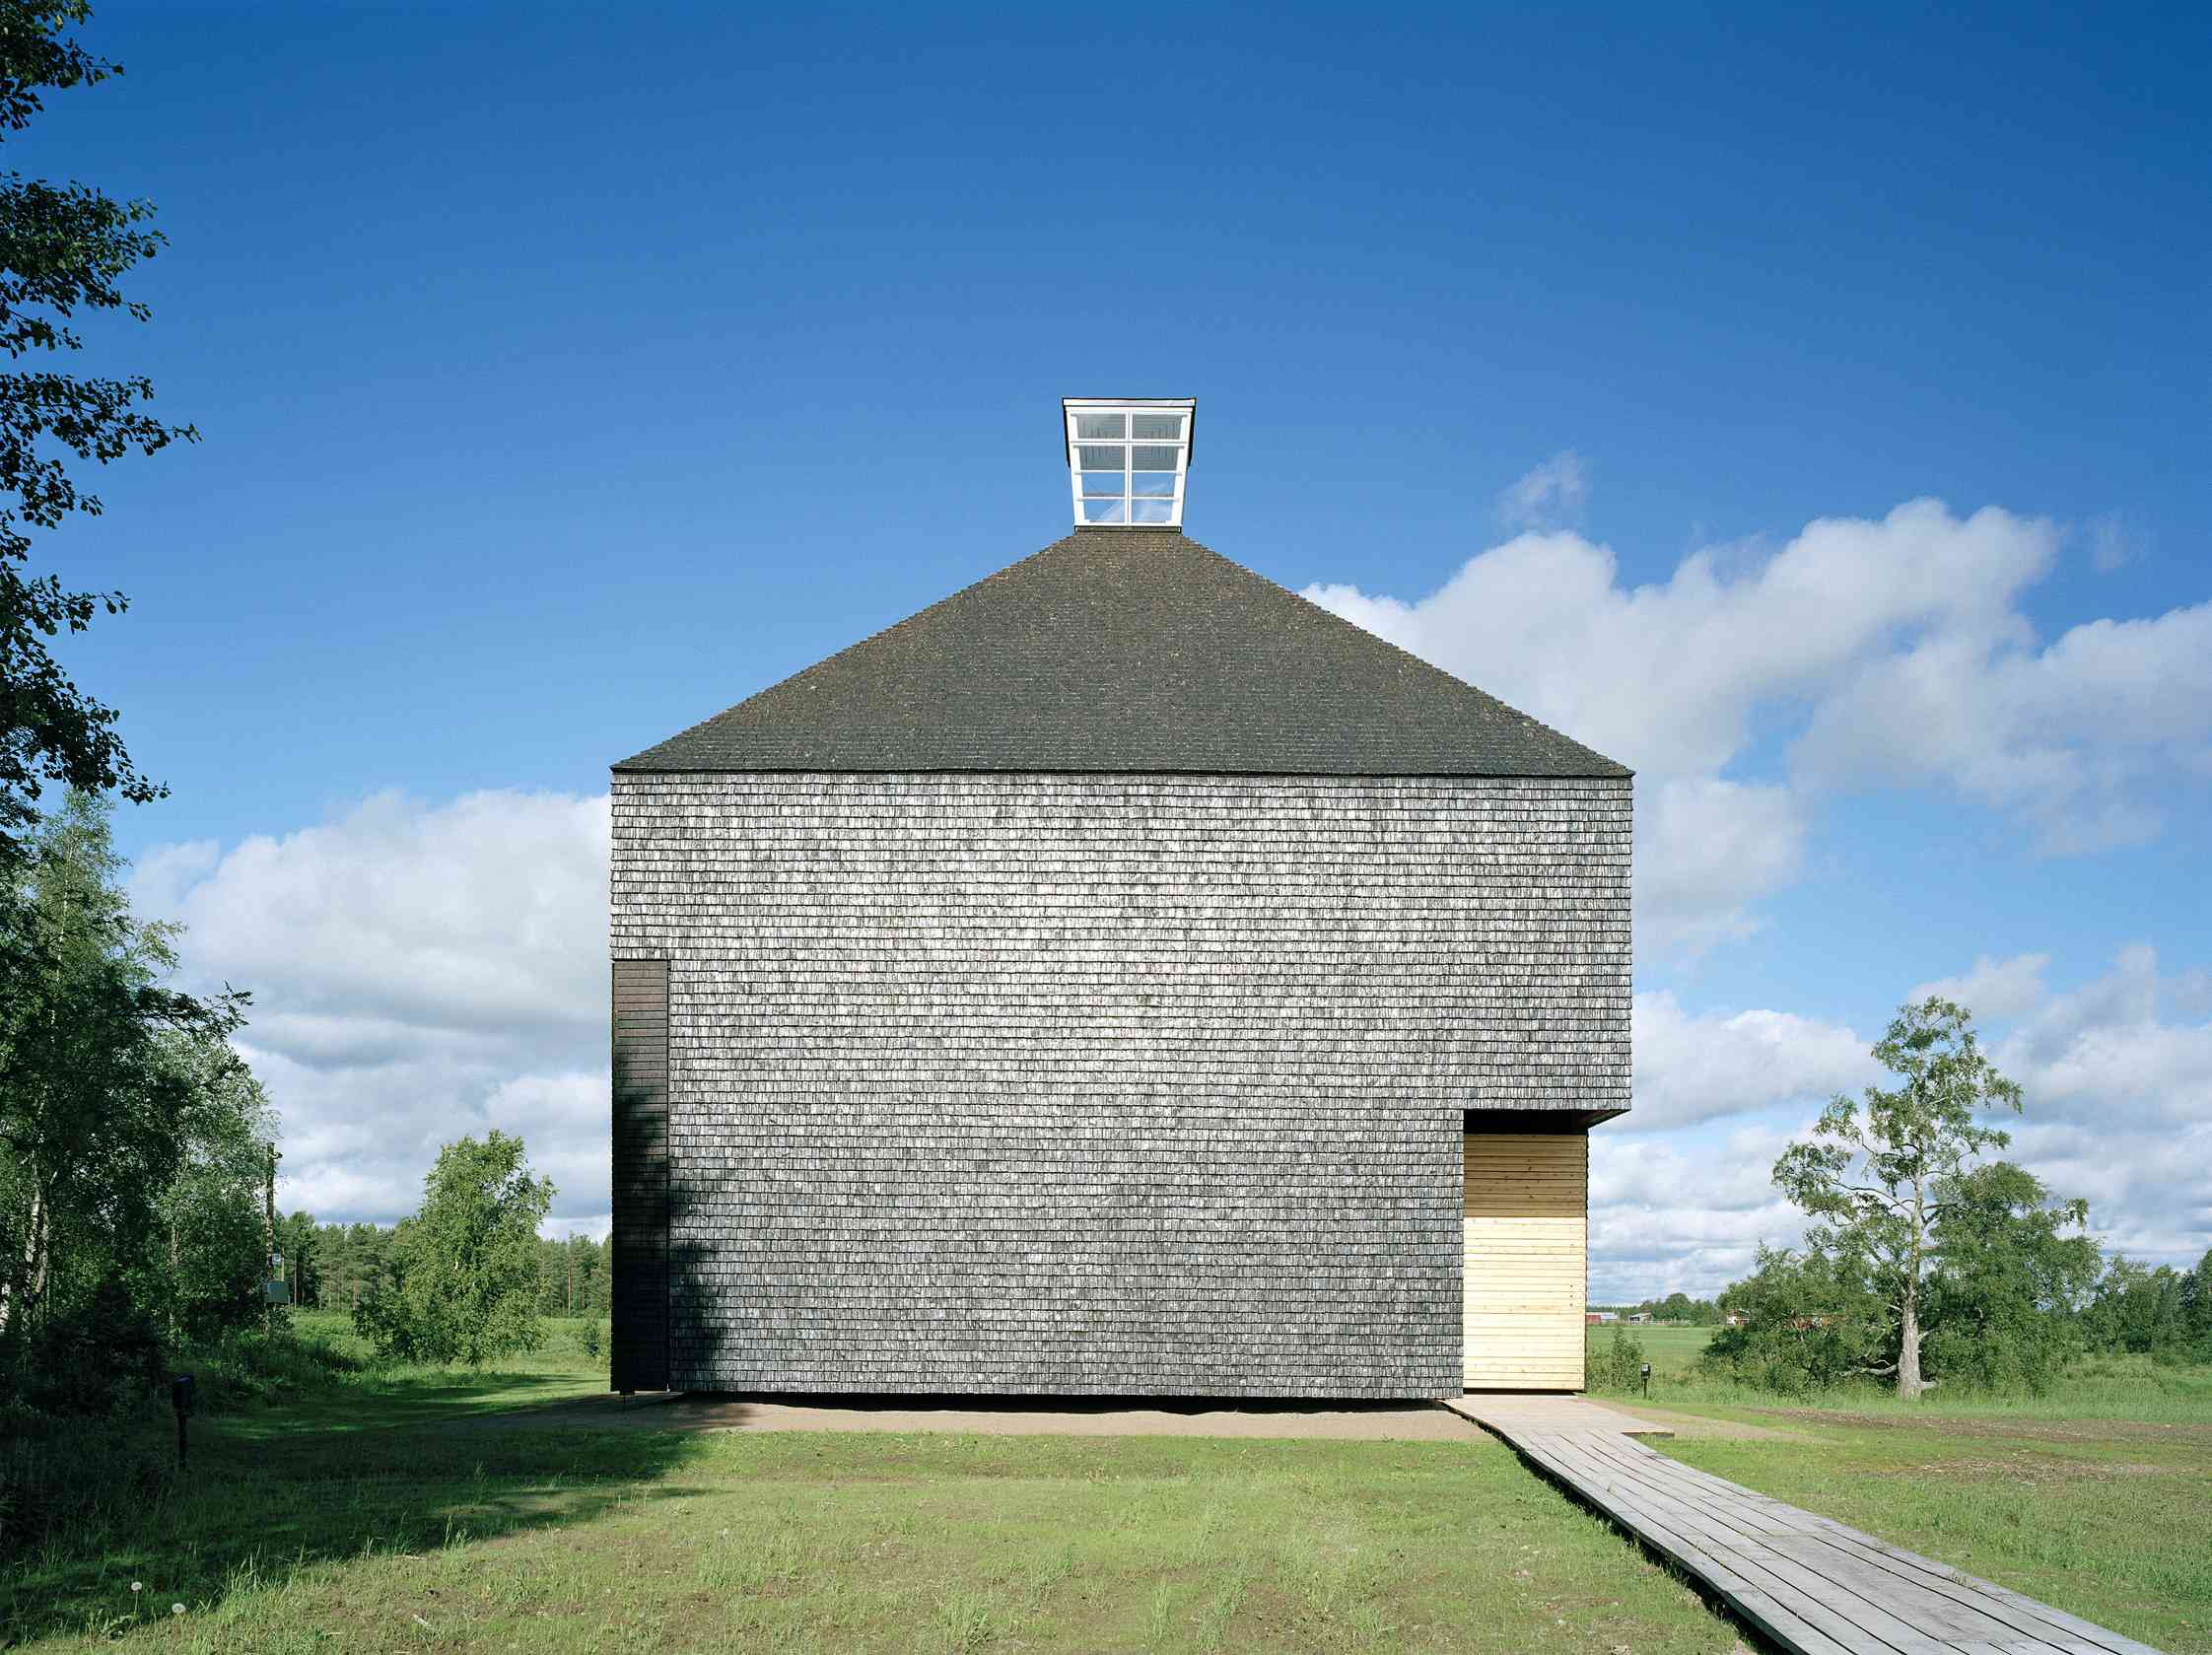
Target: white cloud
419, 972
2106, 1056
1556, 492
1893, 649
1691, 1069
164, 874
1706, 850
2062, 734
1994, 991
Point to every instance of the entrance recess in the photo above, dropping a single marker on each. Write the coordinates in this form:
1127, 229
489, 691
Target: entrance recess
1526, 1235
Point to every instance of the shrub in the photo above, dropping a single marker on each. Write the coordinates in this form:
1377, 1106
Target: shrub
246, 1366
1618, 1365
93, 1357
1811, 1324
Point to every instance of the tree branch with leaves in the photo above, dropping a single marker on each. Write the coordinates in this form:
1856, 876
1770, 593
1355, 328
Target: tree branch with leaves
63, 251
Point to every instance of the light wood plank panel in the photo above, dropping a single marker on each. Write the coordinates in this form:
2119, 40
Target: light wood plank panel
1525, 1234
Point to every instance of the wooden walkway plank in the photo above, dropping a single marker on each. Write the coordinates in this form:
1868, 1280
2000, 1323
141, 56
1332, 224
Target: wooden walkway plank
1725, 1499
1787, 1630
1932, 1611
1856, 1624
1953, 1617
2021, 1615
2102, 1639
1807, 1582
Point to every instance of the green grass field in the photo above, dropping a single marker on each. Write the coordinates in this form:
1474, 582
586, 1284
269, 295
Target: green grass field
419, 1511
1671, 1351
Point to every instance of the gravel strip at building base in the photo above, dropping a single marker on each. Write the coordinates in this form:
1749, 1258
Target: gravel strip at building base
1407, 1422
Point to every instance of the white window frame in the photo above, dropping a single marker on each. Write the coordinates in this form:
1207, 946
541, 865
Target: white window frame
1073, 408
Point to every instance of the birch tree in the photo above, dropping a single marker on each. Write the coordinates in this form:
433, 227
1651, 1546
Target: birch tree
1884, 1170
106, 1074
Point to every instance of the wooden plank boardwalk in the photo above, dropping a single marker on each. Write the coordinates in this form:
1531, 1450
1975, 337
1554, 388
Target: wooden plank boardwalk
1809, 1583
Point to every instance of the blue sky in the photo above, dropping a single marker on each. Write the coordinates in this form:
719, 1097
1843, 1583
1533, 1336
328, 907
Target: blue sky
567, 374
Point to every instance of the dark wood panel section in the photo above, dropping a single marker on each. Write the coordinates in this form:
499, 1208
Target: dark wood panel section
640, 1175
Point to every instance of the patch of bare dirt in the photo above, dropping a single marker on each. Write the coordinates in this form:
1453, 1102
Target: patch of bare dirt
2028, 1470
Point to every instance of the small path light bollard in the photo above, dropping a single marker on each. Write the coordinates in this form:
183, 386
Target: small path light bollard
1646, 1384
180, 1399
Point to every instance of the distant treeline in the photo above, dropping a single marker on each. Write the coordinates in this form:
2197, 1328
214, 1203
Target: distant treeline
1675, 1307
332, 1265
2129, 1309
2165, 1313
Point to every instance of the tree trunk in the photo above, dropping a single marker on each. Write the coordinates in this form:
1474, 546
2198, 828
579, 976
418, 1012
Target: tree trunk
1909, 1382
34, 1251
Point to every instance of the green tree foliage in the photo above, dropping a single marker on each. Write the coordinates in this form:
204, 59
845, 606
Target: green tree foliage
1882, 1171
461, 1277
1810, 1320
2162, 1313
63, 249
573, 1278
123, 1117
299, 1238
204, 1275
2007, 1280
347, 1259
2196, 1311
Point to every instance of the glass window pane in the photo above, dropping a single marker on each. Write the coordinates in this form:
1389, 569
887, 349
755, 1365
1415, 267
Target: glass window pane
1152, 511
1159, 427
1101, 425
1156, 459
1104, 459
1105, 482
1103, 512
1153, 482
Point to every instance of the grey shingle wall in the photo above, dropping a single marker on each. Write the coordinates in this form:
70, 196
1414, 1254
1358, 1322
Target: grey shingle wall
1105, 1083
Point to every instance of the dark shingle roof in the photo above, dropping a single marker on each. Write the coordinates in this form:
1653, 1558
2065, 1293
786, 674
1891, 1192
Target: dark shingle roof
1126, 649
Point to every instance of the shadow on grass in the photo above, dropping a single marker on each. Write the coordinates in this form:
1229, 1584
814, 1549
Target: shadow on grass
400, 1468
417, 1397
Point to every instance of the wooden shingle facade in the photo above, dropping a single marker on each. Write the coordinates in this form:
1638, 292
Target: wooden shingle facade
1122, 978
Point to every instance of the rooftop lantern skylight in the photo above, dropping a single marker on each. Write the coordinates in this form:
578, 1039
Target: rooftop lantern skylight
1127, 457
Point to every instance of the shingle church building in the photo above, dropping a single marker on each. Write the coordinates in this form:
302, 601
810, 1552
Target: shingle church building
1122, 977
